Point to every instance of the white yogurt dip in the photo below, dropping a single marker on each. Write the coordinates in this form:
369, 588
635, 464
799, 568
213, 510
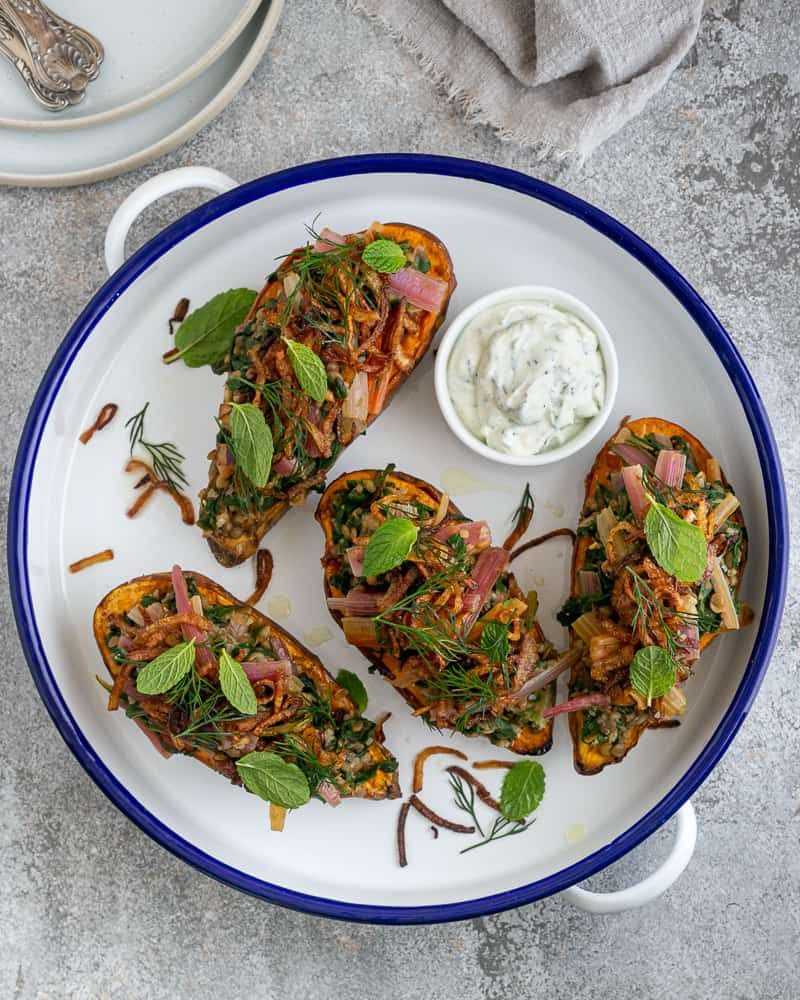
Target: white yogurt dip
526, 376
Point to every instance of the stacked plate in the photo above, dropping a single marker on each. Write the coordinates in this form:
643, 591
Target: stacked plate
168, 70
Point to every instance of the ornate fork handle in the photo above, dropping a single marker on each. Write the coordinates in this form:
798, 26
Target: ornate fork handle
63, 57
15, 50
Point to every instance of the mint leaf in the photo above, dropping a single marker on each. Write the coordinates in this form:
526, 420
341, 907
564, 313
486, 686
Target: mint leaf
204, 337
494, 641
353, 686
164, 672
652, 672
523, 790
384, 256
389, 546
271, 778
679, 547
251, 441
235, 685
309, 369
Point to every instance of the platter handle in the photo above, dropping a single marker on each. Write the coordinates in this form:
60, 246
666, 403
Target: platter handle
153, 189
654, 885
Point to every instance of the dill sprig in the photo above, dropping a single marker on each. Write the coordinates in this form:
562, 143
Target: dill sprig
331, 278
501, 828
648, 609
429, 635
435, 633
451, 554
208, 708
525, 507
521, 518
646, 444
647, 605
432, 632
459, 684
302, 755
464, 796
465, 799
207, 712
167, 460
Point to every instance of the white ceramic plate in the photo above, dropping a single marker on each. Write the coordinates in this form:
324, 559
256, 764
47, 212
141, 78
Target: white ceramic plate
63, 158
69, 500
152, 49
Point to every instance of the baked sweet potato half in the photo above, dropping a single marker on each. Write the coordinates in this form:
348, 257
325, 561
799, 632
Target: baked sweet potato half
367, 305
447, 625
625, 599
298, 711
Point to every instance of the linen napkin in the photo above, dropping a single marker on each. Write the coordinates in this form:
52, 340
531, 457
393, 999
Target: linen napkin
559, 76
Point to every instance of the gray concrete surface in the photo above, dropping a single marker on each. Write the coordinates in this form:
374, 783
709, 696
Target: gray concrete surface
710, 174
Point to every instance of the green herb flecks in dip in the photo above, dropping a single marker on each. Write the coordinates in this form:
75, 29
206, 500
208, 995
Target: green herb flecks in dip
526, 377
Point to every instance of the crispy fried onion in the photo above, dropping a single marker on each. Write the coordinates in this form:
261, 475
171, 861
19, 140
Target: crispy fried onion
429, 814
610, 651
481, 790
152, 486
666, 590
120, 680
167, 626
104, 417
264, 564
423, 755
105, 556
179, 315
557, 533
402, 857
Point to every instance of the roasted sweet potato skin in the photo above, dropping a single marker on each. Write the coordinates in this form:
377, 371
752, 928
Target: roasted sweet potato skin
529, 741
587, 758
127, 595
232, 550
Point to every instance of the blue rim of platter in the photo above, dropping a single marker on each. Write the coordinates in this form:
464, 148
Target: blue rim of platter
421, 164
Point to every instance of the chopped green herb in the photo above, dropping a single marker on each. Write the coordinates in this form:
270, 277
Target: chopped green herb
204, 337
678, 546
235, 685
523, 790
164, 672
273, 779
251, 442
384, 256
389, 546
465, 799
652, 672
354, 687
494, 641
308, 368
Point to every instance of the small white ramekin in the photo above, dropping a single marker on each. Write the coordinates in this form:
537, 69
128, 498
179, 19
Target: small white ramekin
526, 293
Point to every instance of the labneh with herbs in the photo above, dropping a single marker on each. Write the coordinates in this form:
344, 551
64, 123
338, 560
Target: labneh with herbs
658, 562
334, 333
204, 675
526, 376
429, 600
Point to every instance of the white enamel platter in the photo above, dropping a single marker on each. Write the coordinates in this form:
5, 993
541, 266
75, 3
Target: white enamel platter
69, 500
151, 48
114, 146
